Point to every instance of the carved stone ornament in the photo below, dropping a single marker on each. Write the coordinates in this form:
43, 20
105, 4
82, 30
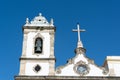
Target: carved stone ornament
80, 50
105, 71
58, 70
39, 21
81, 68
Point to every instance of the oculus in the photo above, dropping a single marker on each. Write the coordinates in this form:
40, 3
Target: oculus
81, 68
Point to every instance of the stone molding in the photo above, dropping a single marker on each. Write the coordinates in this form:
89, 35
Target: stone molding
37, 58
39, 27
26, 31
65, 78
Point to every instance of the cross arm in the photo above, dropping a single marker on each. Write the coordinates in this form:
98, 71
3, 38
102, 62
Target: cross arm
74, 30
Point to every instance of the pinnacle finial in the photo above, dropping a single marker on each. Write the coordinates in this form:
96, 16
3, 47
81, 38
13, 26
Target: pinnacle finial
51, 22
27, 20
40, 14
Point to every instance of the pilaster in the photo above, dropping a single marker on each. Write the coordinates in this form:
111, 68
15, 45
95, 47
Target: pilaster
22, 67
52, 44
52, 68
24, 45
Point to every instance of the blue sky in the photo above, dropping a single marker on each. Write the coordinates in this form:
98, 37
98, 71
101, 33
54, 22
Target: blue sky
100, 18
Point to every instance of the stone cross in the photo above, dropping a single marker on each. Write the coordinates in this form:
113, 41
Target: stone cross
79, 30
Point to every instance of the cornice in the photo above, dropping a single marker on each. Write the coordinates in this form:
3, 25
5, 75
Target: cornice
65, 78
37, 58
39, 27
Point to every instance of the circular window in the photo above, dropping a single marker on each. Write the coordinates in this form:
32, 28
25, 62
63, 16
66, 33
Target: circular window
81, 69
37, 68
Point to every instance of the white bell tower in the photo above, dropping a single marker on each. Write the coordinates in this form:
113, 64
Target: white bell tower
38, 48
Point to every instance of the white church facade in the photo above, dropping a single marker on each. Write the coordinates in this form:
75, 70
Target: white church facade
37, 61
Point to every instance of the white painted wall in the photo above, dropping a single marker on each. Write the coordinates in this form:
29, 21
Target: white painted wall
113, 63
30, 45
29, 69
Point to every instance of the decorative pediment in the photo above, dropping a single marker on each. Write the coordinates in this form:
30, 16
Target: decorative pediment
80, 65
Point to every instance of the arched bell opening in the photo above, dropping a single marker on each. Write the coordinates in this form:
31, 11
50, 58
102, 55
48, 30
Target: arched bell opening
38, 45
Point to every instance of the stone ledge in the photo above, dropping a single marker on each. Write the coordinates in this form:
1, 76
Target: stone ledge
65, 78
39, 27
37, 58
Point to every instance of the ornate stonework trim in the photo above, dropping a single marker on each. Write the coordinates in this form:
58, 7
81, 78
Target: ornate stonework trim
90, 61
80, 50
70, 61
81, 63
104, 70
58, 70
38, 35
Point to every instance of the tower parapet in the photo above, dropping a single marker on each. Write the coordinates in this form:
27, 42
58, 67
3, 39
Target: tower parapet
39, 21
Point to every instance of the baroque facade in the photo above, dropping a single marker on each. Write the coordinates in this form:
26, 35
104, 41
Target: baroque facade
37, 61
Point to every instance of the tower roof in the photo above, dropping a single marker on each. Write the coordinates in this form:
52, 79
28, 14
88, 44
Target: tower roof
39, 21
